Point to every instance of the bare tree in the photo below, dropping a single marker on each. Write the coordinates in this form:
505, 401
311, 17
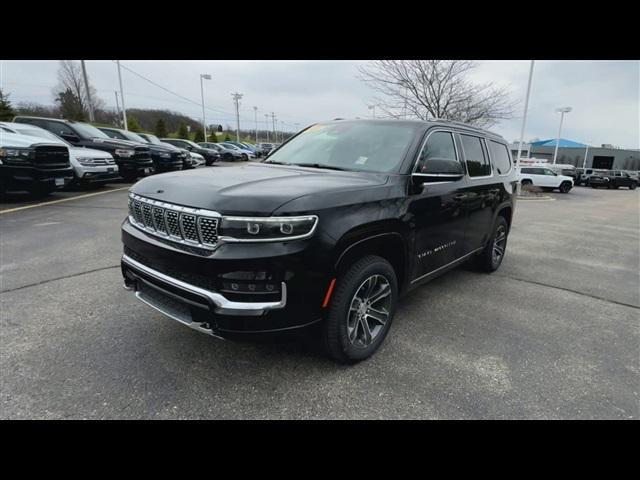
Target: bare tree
70, 78
436, 88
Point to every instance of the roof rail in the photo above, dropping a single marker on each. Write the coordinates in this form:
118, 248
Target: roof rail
463, 124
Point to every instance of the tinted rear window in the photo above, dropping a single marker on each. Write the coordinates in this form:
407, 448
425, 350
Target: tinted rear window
500, 157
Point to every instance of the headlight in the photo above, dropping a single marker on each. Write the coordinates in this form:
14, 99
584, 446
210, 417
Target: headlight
88, 161
266, 229
120, 152
165, 155
15, 155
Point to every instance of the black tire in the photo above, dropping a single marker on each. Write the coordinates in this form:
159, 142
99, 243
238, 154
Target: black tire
335, 332
565, 187
228, 157
633, 186
594, 186
486, 261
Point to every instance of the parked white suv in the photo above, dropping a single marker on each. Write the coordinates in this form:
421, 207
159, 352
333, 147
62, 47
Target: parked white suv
545, 178
89, 166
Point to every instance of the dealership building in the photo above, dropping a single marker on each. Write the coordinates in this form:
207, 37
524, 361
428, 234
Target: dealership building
573, 153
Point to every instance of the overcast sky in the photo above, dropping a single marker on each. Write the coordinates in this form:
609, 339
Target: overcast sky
605, 96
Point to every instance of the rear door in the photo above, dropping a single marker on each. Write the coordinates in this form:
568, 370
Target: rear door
482, 192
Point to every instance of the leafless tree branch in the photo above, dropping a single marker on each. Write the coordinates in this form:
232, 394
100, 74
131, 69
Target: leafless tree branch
436, 89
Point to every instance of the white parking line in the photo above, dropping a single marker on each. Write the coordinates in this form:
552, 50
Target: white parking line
44, 204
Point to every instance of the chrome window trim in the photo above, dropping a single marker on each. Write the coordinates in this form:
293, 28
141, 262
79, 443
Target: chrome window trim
455, 146
486, 149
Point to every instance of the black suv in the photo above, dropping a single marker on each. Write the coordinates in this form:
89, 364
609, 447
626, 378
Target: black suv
613, 179
187, 162
210, 156
326, 233
133, 158
166, 158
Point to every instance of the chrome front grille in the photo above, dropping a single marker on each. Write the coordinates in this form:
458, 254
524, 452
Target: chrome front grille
173, 222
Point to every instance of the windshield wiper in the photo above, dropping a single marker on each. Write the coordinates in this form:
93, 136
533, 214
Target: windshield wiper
319, 165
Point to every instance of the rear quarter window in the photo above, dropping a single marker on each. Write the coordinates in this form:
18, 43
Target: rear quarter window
500, 157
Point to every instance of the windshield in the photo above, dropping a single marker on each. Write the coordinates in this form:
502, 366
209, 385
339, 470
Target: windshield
134, 137
89, 131
152, 139
366, 145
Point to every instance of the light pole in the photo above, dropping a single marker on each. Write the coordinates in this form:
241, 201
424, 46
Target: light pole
255, 114
236, 99
562, 111
524, 118
586, 152
372, 107
124, 109
266, 121
86, 89
203, 76
273, 120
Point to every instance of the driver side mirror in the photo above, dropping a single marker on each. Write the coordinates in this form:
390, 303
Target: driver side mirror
438, 170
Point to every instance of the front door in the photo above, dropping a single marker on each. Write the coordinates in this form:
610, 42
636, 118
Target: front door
436, 210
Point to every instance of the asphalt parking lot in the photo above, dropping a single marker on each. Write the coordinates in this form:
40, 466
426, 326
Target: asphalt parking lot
555, 333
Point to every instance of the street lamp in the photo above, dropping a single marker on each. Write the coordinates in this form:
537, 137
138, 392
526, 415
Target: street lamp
204, 76
562, 111
372, 107
586, 152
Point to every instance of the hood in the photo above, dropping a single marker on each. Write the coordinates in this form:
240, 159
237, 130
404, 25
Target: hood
23, 141
117, 143
252, 189
89, 153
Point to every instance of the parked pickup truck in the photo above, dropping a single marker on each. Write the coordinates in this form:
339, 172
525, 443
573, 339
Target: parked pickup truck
613, 179
133, 158
325, 235
90, 167
33, 165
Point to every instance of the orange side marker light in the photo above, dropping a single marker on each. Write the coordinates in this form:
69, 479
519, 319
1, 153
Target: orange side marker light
327, 296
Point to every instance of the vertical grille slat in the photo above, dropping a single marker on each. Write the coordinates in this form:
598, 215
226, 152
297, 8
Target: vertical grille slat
179, 224
188, 225
172, 223
208, 228
158, 219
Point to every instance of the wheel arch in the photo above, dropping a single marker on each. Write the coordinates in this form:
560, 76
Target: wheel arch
390, 245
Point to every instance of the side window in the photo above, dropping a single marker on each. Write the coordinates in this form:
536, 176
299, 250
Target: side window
527, 170
113, 134
59, 128
439, 146
477, 161
549, 172
500, 157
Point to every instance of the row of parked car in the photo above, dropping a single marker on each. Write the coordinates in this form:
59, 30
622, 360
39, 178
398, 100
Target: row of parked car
40, 155
565, 177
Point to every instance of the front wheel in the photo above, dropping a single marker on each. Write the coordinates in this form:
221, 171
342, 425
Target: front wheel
633, 186
565, 187
361, 310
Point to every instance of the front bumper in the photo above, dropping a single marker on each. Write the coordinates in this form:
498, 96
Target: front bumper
31, 179
196, 290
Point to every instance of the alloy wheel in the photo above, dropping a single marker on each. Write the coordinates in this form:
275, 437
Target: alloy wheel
369, 311
499, 243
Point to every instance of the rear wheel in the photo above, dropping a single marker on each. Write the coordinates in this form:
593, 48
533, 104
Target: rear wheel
490, 259
633, 186
361, 310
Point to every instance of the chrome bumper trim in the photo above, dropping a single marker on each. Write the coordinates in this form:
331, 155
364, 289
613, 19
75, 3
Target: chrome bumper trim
222, 305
